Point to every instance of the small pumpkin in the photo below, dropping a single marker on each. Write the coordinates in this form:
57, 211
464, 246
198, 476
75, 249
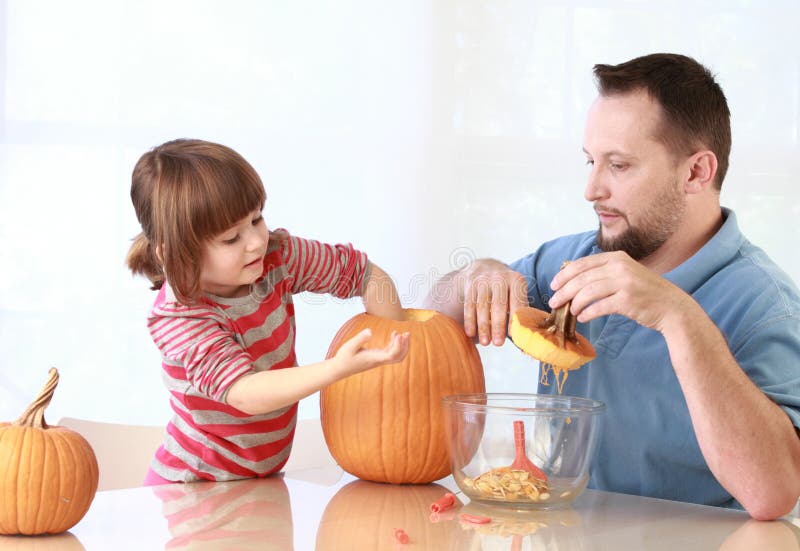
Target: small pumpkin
387, 424
48, 474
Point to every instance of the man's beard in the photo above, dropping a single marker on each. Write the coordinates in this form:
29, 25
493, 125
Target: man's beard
659, 221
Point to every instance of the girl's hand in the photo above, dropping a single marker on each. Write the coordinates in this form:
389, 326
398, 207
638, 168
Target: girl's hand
352, 357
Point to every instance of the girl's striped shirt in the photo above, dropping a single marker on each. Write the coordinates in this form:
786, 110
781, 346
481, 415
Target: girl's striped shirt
205, 347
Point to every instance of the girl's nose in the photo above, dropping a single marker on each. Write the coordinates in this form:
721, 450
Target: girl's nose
256, 239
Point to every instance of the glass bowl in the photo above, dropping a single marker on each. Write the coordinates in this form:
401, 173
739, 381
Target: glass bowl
558, 434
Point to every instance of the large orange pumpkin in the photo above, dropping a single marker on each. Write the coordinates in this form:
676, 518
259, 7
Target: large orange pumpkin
387, 424
48, 475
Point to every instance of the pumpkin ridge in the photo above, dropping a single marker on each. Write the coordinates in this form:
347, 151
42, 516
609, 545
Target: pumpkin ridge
410, 380
452, 384
26, 481
331, 439
381, 469
376, 471
45, 490
435, 335
354, 424
45, 493
344, 452
76, 499
62, 508
387, 409
12, 475
455, 382
344, 412
91, 462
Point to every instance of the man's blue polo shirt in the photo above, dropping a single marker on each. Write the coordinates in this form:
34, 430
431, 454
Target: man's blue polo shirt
648, 446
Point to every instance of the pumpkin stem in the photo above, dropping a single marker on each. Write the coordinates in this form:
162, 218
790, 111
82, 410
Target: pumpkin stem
561, 321
34, 415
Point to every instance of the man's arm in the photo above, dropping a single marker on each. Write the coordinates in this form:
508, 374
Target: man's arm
481, 296
749, 443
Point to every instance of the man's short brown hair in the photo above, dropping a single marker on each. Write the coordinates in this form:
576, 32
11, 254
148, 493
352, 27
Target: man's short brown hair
695, 111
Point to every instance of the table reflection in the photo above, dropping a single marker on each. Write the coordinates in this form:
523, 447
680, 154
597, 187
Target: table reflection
519, 529
65, 541
364, 515
247, 514
755, 534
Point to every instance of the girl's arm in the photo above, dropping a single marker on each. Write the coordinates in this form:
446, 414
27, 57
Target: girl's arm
380, 295
266, 391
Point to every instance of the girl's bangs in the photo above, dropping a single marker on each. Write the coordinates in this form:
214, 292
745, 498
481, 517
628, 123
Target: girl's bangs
232, 192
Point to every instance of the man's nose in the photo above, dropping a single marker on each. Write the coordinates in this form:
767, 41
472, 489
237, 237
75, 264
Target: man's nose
596, 189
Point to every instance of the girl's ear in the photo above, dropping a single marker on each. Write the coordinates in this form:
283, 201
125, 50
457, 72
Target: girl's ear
702, 167
158, 255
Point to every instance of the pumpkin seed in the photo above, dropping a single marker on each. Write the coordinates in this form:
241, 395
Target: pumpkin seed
509, 484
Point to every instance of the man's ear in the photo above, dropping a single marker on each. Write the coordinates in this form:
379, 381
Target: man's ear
702, 168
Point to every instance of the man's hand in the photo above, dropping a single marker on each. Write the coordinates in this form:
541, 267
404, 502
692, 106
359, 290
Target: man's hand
614, 283
492, 291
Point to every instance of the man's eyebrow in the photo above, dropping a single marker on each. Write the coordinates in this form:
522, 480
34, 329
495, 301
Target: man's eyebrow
610, 153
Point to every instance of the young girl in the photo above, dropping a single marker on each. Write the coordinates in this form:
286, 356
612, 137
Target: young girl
224, 318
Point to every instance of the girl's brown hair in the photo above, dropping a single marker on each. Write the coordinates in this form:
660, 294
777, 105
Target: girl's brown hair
186, 192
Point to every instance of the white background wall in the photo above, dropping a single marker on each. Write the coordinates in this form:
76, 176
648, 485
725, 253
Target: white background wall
425, 132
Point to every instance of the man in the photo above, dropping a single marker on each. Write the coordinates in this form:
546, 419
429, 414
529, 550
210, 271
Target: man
697, 331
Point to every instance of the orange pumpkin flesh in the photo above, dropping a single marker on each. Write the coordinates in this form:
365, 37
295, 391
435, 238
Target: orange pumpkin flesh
551, 339
529, 330
48, 475
387, 424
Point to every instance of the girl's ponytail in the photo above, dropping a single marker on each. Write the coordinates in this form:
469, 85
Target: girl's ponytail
142, 260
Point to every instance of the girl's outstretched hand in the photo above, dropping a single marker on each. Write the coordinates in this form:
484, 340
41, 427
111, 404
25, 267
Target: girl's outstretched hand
352, 357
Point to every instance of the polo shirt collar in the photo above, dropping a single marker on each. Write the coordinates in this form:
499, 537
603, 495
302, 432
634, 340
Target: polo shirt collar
712, 257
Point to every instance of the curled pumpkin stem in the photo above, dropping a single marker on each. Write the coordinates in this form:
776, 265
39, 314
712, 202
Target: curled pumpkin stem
33, 416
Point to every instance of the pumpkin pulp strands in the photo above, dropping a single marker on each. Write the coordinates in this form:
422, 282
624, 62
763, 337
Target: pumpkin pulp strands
551, 339
561, 323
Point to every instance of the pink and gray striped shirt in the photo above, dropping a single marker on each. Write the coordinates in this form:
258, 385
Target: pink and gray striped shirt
207, 346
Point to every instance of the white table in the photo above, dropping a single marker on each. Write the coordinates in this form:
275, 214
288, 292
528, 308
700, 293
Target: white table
324, 509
